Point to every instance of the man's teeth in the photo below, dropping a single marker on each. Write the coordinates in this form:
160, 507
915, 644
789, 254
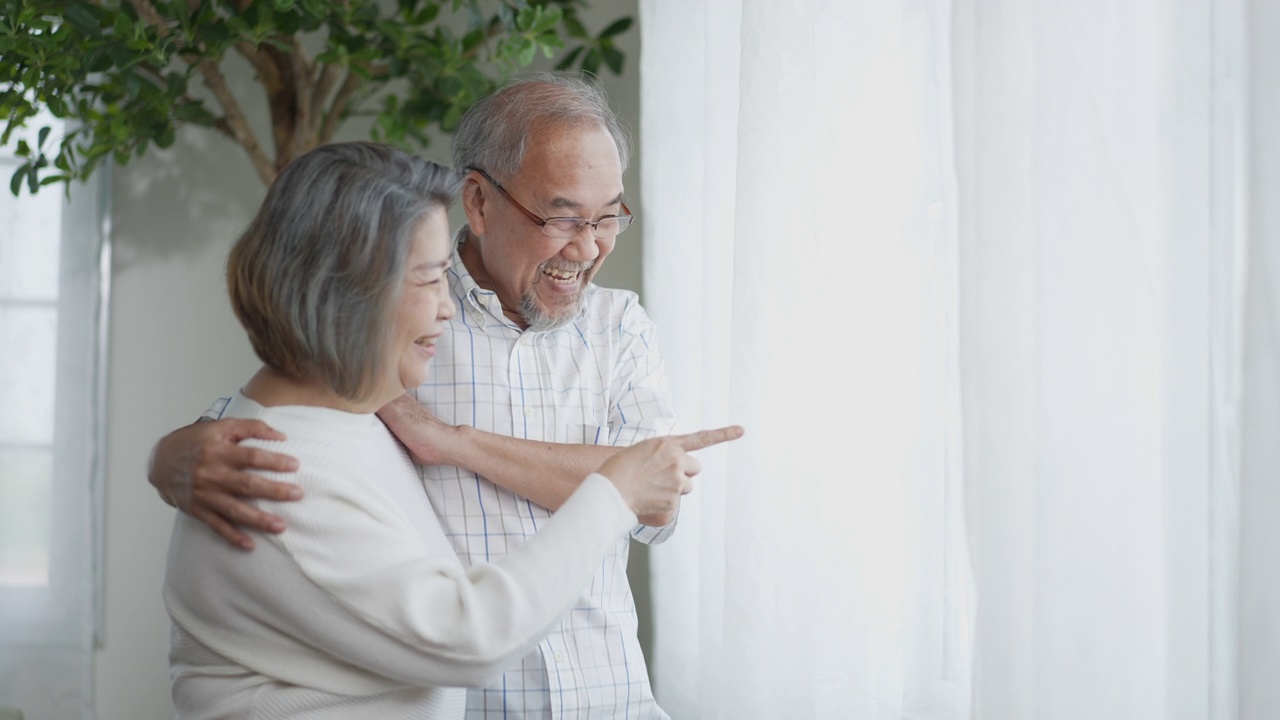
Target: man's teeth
558, 274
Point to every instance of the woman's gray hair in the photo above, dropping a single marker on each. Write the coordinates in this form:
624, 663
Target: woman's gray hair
314, 277
494, 133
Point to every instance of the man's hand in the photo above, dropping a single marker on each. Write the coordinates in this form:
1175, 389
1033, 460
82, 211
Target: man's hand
203, 471
652, 475
422, 433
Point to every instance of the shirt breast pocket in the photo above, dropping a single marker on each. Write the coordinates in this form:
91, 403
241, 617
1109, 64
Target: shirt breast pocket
585, 434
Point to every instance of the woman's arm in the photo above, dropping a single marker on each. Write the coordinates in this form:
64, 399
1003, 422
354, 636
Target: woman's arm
367, 578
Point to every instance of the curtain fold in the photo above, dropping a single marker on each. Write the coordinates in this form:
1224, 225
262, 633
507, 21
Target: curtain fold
800, 261
1257, 656
1101, 238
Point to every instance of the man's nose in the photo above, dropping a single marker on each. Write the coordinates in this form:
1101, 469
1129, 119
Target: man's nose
584, 246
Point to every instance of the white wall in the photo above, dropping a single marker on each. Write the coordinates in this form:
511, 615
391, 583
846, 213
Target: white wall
175, 346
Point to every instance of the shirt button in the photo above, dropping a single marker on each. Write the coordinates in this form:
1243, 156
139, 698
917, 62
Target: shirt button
559, 657
528, 412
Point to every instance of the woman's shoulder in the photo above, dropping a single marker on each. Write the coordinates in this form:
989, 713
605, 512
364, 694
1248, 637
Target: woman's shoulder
329, 444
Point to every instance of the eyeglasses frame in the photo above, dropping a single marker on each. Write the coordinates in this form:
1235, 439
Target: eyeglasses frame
542, 222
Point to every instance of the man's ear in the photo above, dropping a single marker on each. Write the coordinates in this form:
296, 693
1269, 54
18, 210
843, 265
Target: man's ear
473, 202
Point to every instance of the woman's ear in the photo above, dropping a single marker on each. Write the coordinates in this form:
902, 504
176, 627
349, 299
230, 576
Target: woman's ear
473, 202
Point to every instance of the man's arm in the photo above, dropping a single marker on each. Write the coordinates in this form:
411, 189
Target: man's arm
640, 406
545, 473
203, 471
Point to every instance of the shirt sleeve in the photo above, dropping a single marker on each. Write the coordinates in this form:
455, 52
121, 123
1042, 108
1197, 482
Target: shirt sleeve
216, 409
355, 580
641, 407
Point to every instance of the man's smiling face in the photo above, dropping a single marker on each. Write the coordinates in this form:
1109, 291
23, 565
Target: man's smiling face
568, 171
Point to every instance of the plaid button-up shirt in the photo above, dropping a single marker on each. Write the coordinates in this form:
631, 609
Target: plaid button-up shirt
597, 380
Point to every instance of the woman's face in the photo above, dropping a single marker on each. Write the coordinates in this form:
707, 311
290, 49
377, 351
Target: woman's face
424, 305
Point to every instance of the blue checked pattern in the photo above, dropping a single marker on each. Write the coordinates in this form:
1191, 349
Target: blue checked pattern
598, 380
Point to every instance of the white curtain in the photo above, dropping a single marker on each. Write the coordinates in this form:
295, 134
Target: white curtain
1257, 466
982, 278
800, 261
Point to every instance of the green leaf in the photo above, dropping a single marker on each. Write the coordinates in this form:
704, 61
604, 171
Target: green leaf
451, 117
549, 43
426, 14
567, 61
195, 113
617, 27
591, 62
81, 19
574, 26
166, 137
473, 39
96, 60
614, 59
526, 51
545, 19
15, 182
175, 84
526, 17
122, 27
42, 136
132, 83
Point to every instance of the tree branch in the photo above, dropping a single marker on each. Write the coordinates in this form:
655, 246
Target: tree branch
236, 121
334, 117
305, 132
328, 78
240, 128
261, 64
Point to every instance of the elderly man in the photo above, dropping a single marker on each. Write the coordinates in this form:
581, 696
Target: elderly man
539, 376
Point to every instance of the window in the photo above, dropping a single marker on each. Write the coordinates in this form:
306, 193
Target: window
54, 271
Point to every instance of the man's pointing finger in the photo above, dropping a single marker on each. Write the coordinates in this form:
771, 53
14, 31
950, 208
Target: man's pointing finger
707, 438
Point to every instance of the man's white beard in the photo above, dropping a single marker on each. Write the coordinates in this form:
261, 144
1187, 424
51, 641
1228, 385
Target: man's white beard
540, 320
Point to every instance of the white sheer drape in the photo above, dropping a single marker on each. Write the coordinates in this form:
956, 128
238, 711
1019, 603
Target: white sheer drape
1100, 290
800, 261
1102, 173
1258, 392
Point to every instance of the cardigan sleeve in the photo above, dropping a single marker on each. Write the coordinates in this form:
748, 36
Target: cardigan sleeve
353, 579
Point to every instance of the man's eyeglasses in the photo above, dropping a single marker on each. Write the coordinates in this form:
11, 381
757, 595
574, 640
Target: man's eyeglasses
564, 228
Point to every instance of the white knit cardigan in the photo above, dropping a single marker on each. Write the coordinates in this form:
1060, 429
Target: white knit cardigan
361, 607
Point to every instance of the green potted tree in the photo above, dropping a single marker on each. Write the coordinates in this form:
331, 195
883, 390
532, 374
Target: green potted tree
127, 74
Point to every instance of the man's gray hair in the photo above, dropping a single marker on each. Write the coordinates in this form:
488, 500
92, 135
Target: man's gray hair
493, 134
315, 276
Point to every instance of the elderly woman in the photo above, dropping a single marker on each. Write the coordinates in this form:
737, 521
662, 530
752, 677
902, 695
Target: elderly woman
361, 608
